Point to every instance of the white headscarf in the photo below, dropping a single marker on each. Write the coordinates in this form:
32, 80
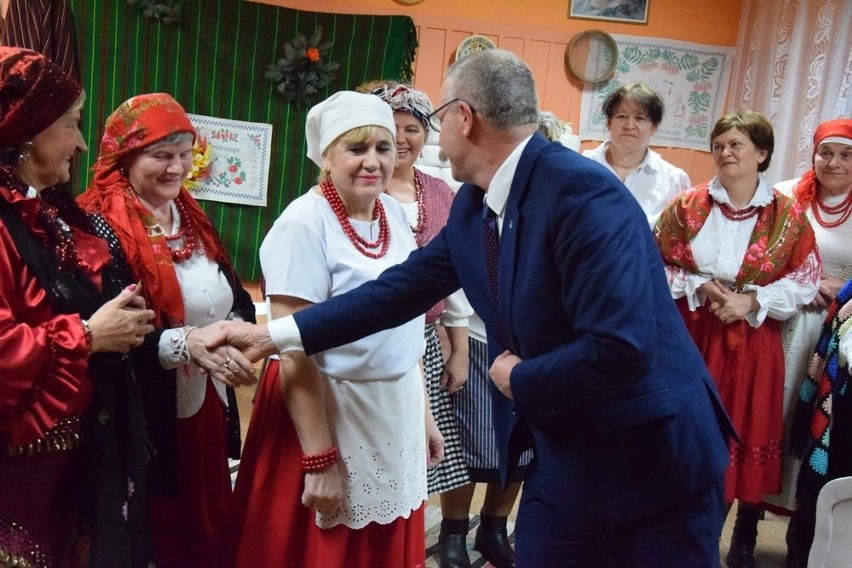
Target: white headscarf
340, 113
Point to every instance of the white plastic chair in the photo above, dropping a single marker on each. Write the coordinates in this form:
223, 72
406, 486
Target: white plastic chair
832, 546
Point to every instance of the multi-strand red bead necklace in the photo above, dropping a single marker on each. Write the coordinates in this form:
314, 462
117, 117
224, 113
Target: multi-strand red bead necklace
364, 246
844, 209
187, 232
738, 215
421, 208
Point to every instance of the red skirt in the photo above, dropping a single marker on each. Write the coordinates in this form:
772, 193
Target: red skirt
748, 367
271, 528
187, 528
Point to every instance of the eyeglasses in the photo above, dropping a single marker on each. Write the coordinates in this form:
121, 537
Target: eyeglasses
433, 118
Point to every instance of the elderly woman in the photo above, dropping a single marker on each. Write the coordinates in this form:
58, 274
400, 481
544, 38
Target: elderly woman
188, 280
70, 420
633, 114
825, 192
334, 468
741, 259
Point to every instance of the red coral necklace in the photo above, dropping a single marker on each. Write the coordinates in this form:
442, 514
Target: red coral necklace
421, 208
364, 246
738, 215
844, 209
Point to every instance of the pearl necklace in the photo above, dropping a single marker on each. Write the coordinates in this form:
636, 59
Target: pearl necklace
738, 215
844, 209
361, 244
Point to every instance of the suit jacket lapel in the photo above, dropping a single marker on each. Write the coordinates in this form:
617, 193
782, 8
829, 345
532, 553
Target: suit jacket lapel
512, 220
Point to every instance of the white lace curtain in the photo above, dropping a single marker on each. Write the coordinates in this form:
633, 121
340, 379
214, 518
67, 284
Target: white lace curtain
794, 66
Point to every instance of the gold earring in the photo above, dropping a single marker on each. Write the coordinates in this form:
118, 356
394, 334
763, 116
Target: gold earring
26, 150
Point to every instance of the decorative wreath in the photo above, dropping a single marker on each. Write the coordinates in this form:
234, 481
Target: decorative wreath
202, 159
304, 69
167, 11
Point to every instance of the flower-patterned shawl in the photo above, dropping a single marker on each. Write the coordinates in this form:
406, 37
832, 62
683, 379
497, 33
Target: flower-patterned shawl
781, 241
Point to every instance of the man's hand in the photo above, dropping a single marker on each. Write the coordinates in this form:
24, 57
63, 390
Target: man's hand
501, 372
253, 340
209, 350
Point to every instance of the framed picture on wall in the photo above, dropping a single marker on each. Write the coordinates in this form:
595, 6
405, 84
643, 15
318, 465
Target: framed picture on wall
626, 11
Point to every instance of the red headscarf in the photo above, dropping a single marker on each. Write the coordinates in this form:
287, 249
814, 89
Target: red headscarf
137, 123
837, 130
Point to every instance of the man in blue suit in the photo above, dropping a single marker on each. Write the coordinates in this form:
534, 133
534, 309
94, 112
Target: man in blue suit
592, 364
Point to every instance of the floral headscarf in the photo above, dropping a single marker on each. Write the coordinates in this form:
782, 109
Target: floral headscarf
136, 124
400, 97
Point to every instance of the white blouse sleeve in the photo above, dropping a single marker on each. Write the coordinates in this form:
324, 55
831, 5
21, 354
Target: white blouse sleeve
293, 257
781, 299
685, 283
173, 350
457, 310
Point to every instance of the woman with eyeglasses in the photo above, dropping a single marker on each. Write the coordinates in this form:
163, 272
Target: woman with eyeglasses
741, 259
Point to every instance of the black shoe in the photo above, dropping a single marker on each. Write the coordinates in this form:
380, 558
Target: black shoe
452, 544
800, 534
744, 537
492, 541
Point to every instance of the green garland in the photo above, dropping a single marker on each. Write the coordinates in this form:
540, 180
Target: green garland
304, 69
167, 11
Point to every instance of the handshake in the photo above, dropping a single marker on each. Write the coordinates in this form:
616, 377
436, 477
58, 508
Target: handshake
227, 350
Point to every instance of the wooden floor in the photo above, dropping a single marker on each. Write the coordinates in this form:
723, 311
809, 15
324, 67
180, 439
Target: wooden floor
769, 553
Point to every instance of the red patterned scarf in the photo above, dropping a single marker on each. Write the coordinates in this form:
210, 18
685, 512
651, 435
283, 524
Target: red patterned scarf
137, 123
781, 240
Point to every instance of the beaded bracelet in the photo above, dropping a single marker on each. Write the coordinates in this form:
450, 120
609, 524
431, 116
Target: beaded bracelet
319, 462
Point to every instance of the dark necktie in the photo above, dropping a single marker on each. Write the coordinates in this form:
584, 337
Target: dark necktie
492, 256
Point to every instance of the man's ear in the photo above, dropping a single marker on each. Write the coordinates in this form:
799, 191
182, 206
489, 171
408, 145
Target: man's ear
468, 117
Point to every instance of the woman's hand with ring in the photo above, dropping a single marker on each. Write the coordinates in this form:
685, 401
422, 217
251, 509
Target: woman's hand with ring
223, 362
121, 323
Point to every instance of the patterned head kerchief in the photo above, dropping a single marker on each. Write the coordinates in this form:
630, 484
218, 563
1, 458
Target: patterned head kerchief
400, 97
139, 122
34, 93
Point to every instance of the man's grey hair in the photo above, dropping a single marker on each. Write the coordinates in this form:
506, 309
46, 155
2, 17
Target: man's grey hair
498, 85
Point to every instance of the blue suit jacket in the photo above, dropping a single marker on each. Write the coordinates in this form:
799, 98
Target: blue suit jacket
612, 392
